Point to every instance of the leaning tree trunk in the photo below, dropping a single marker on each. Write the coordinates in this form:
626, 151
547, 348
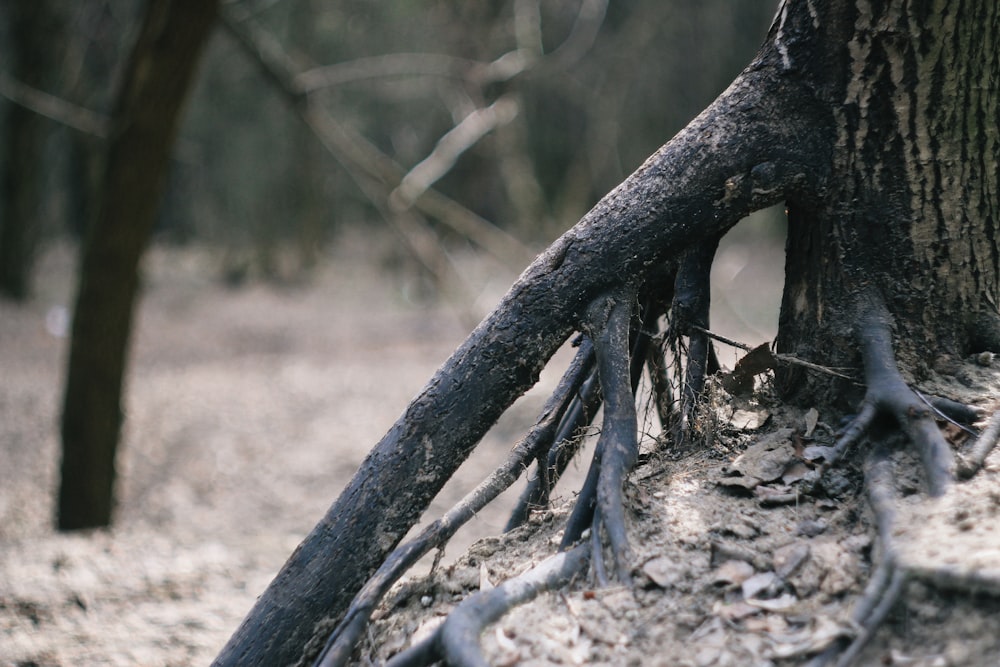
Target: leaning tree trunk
876, 122
143, 127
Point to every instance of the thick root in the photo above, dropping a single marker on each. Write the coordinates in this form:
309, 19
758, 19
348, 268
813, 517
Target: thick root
600, 504
888, 394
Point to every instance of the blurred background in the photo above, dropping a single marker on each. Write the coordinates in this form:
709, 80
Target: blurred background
582, 92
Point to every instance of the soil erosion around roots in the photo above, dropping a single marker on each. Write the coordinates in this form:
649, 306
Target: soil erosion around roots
737, 564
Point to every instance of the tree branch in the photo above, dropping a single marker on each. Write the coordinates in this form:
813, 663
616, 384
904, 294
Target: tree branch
357, 154
54, 108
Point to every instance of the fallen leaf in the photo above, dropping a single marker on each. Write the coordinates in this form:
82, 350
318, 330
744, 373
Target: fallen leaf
783, 603
767, 459
734, 611
796, 471
748, 420
663, 571
732, 573
755, 362
811, 639
763, 583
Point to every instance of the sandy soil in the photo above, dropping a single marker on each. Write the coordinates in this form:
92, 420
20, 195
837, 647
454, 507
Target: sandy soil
249, 409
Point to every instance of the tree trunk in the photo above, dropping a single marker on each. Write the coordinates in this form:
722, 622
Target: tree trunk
849, 114
144, 124
910, 201
34, 59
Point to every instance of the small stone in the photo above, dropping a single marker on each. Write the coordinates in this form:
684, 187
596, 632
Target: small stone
789, 558
811, 527
426, 601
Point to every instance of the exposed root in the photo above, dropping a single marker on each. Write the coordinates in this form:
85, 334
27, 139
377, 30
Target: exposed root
887, 393
606, 370
457, 640
345, 637
618, 446
886, 584
973, 461
552, 463
580, 414
690, 310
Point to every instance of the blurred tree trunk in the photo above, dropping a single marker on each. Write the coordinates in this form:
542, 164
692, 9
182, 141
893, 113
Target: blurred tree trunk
144, 124
34, 51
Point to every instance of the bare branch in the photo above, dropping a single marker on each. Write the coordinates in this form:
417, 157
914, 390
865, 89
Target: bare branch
449, 148
54, 108
355, 153
383, 66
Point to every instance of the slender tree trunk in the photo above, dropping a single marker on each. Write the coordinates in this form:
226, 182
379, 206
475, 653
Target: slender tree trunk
145, 122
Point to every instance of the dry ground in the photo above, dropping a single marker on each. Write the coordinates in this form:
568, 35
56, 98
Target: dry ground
248, 410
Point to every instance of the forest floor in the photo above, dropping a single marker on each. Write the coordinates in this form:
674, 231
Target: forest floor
248, 409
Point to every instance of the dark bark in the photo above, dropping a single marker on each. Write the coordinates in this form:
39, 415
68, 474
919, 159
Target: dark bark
144, 124
841, 115
910, 204
33, 60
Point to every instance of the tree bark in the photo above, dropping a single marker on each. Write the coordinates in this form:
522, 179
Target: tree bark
144, 124
843, 115
910, 203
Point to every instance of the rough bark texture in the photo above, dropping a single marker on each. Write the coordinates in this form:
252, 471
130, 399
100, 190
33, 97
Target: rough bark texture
842, 114
144, 124
910, 202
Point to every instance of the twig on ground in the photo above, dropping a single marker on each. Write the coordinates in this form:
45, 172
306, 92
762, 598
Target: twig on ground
790, 359
959, 414
973, 461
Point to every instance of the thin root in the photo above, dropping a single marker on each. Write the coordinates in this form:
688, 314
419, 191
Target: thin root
457, 640
618, 446
973, 461
886, 584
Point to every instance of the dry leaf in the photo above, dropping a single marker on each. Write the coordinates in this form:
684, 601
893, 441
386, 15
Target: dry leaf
732, 573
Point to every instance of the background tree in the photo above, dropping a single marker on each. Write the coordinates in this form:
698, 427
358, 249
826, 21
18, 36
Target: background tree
143, 126
33, 60
877, 124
